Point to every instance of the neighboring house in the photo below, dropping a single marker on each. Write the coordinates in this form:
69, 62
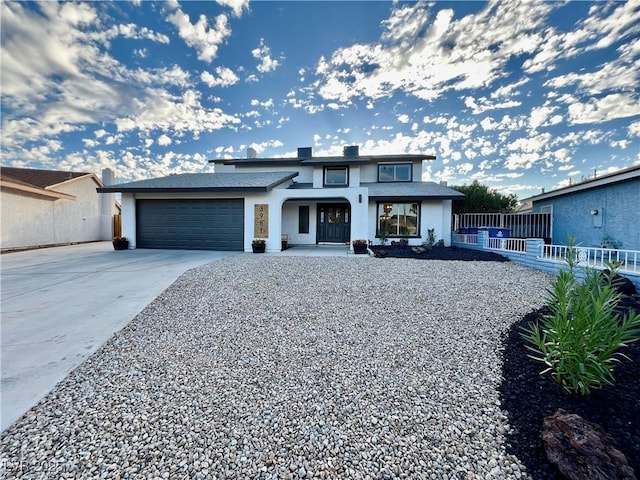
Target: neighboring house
48, 207
308, 199
600, 211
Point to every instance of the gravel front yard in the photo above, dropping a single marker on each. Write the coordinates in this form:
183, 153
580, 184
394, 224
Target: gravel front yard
293, 367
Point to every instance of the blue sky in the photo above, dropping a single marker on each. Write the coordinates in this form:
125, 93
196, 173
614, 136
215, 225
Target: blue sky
519, 96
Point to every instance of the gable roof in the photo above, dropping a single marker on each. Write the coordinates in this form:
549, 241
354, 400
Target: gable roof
624, 175
41, 183
206, 182
40, 178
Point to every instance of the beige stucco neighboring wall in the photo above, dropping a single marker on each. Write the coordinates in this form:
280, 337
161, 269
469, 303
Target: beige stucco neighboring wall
31, 221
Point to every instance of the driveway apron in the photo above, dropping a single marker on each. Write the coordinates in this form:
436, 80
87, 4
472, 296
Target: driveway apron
59, 305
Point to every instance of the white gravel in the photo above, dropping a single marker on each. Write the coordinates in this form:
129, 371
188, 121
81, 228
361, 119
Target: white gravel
293, 367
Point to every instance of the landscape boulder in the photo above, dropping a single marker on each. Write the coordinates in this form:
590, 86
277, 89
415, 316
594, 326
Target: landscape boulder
582, 450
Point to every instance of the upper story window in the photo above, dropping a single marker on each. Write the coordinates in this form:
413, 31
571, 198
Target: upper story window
336, 176
394, 172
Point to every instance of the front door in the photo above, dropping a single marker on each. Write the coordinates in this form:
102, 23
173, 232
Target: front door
334, 224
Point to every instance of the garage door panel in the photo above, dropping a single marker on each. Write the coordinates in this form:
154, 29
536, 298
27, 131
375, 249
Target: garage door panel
191, 224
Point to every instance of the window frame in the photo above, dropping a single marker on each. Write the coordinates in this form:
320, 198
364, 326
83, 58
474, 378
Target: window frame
304, 219
345, 168
395, 205
395, 177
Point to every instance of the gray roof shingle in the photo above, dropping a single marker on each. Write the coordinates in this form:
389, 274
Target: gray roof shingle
215, 182
39, 178
412, 190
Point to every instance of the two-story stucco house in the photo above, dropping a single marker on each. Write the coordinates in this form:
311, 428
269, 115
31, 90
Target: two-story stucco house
310, 200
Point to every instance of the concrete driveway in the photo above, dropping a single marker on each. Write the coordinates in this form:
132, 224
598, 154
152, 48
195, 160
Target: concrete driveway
59, 305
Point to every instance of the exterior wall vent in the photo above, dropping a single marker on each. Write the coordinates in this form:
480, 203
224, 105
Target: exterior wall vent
251, 152
351, 151
305, 152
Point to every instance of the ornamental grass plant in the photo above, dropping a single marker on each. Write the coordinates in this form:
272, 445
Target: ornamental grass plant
580, 341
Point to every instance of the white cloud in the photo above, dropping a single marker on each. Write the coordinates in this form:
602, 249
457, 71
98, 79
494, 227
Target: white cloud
541, 116
464, 168
428, 58
634, 129
130, 31
486, 104
237, 6
266, 104
165, 111
200, 36
263, 54
140, 52
509, 90
164, 140
609, 107
262, 146
403, 118
620, 144
602, 24
225, 77
488, 123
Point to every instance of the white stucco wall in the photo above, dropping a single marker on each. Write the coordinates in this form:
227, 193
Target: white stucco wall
434, 214
283, 214
31, 221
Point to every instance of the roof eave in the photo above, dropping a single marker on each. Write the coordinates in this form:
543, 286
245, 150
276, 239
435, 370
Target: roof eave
624, 176
81, 177
115, 189
33, 190
401, 198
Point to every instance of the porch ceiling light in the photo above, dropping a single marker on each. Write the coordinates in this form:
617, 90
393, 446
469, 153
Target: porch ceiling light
594, 212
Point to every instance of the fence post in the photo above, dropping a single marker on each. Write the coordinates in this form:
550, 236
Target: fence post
534, 250
483, 239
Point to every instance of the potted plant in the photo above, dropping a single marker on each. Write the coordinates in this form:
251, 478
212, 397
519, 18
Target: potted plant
120, 243
258, 245
359, 246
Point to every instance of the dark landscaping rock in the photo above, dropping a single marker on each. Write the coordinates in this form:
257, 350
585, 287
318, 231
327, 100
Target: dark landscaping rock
426, 252
582, 450
622, 284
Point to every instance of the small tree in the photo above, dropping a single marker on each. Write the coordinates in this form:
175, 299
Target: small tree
579, 341
480, 198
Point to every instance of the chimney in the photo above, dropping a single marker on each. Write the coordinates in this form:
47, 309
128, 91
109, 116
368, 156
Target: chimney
443, 183
351, 151
108, 178
251, 152
107, 200
542, 189
305, 152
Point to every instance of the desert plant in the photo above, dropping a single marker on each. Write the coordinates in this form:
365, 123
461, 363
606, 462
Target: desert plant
431, 237
383, 232
258, 241
359, 242
580, 339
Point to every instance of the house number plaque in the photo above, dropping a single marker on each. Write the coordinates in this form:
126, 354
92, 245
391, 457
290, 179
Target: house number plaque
261, 221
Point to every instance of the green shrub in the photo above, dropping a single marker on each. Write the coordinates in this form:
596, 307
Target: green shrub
580, 339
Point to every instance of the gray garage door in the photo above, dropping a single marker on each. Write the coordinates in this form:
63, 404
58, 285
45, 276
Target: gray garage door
190, 224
